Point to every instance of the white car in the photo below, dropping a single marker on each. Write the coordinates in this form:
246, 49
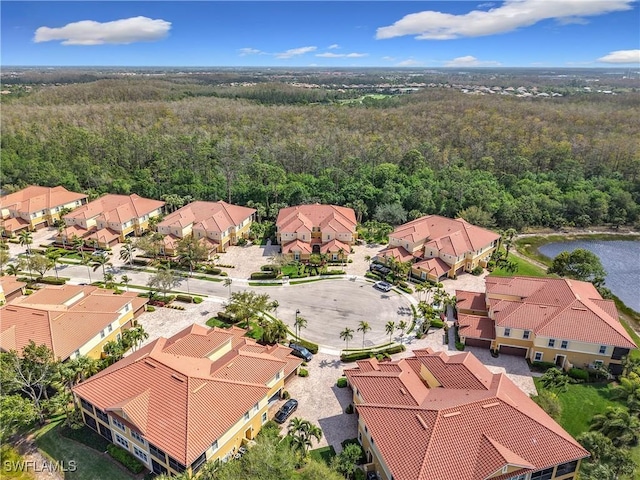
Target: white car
384, 286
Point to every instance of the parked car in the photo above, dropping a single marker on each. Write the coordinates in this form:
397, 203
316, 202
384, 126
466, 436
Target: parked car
300, 352
372, 476
101, 253
376, 267
384, 286
286, 410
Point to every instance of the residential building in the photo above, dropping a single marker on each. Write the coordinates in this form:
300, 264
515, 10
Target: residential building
439, 246
36, 207
316, 229
219, 224
556, 320
439, 417
198, 396
10, 288
110, 219
71, 320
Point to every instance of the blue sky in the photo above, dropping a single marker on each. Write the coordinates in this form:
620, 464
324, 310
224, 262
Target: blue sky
514, 33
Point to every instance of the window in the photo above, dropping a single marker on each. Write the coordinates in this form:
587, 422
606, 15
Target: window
105, 432
507, 332
177, 466
141, 454
214, 445
102, 416
565, 468
278, 376
537, 357
86, 405
110, 328
603, 349
101, 333
77, 353
118, 424
264, 417
156, 452
246, 417
552, 343
543, 474
526, 334
136, 436
522, 476
122, 441
256, 407
91, 422
564, 344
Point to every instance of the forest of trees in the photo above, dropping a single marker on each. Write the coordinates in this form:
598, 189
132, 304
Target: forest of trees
517, 162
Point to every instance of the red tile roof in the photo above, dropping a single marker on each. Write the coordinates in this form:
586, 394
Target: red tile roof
334, 246
470, 428
327, 217
211, 216
35, 198
9, 284
448, 235
296, 246
185, 392
471, 300
435, 266
14, 224
474, 326
116, 208
556, 308
401, 254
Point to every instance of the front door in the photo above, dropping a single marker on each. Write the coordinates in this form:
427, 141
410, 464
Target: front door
560, 359
248, 433
316, 248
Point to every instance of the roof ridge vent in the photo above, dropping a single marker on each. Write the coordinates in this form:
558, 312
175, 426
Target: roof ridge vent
403, 391
180, 379
422, 422
152, 365
451, 414
581, 309
199, 387
489, 405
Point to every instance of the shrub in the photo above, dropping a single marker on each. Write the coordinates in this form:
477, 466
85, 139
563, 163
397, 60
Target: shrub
52, 280
543, 366
342, 382
125, 458
436, 323
151, 308
549, 402
224, 317
373, 276
28, 292
403, 284
263, 275
184, 298
303, 372
213, 270
197, 300
224, 274
175, 307
477, 271
406, 289
579, 374
459, 346
334, 272
359, 475
285, 395
141, 261
362, 354
312, 347
349, 409
350, 260
268, 268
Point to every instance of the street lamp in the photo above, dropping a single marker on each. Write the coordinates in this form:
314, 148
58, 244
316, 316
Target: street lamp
295, 324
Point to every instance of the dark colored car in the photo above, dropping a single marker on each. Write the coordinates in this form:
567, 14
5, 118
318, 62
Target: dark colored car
300, 352
372, 476
286, 410
384, 286
376, 267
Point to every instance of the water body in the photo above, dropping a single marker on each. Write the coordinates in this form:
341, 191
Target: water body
620, 259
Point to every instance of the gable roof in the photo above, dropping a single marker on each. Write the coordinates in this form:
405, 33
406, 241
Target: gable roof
326, 217
183, 393
35, 198
116, 208
556, 308
210, 216
62, 318
447, 235
470, 427
10, 284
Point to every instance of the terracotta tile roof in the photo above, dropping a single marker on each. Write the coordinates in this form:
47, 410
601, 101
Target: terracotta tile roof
73, 231
399, 253
474, 326
9, 284
557, 308
211, 216
334, 246
327, 217
116, 208
63, 318
464, 431
104, 235
35, 198
436, 266
471, 300
451, 236
296, 246
181, 399
14, 224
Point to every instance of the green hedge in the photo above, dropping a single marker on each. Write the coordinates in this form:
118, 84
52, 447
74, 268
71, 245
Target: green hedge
303, 372
436, 323
334, 272
579, 374
125, 458
405, 289
184, 298
544, 366
52, 280
263, 275
312, 347
268, 268
141, 261
226, 318
361, 355
197, 299
342, 382
213, 270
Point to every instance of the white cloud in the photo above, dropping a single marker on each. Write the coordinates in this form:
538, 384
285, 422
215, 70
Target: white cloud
470, 61
409, 62
294, 52
389, 59
511, 15
333, 47
250, 51
89, 32
621, 56
341, 55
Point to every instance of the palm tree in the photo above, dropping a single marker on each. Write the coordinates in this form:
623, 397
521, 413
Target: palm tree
54, 256
402, 326
135, 336
86, 260
126, 280
619, 425
12, 269
508, 240
274, 306
390, 327
363, 327
301, 432
227, 283
299, 324
77, 243
108, 280
368, 259
346, 335
127, 251
101, 261
61, 227
26, 239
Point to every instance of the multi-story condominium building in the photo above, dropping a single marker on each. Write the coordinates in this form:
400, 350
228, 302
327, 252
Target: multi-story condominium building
198, 396
10, 288
36, 207
111, 218
556, 320
323, 229
219, 224
439, 246
434, 416
71, 320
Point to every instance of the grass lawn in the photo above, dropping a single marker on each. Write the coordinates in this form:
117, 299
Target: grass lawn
214, 322
90, 464
9, 460
524, 268
323, 454
580, 403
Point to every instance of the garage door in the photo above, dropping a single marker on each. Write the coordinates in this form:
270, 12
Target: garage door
520, 352
477, 342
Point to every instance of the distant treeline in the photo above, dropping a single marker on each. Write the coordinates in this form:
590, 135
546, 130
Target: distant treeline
521, 162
